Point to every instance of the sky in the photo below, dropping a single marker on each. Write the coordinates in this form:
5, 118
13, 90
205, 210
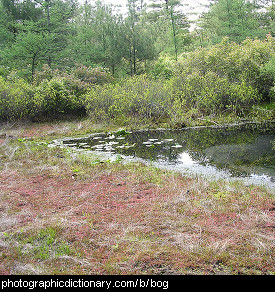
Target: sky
192, 5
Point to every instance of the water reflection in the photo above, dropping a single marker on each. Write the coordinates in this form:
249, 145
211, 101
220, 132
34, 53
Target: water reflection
186, 159
239, 151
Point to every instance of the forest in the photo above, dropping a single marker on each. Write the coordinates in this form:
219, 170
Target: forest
151, 63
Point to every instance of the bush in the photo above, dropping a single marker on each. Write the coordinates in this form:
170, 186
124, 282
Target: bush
18, 100
91, 75
237, 63
268, 71
86, 75
58, 97
162, 68
138, 96
210, 93
52, 92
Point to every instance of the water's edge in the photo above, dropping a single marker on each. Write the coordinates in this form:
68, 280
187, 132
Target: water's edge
207, 171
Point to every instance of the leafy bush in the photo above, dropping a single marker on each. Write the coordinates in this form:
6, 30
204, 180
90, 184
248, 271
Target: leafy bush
86, 76
18, 100
224, 77
52, 92
162, 68
138, 96
268, 70
210, 93
46, 73
91, 75
58, 97
62, 92
237, 63
3, 71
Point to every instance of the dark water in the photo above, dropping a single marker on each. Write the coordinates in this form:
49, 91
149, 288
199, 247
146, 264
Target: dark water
240, 151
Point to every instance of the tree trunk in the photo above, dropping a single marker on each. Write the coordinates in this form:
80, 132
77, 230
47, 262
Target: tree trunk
49, 28
33, 66
173, 27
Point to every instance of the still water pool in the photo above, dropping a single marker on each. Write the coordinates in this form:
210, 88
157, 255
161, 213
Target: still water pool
243, 151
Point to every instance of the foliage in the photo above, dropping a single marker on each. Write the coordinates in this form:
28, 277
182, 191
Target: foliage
27, 50
269, 67
57, 97
91, 75
18, 100
237, 19
82, 46
53, 92
162, 67
268, 71
210, 93
232, 70
225, 77
138, 96
86, 75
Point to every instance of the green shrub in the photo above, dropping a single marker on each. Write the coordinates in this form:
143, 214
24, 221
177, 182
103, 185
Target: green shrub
3, 71
58, 97
269, 68
210, 93
237, 63
138, 96
162, 68
18, 100
87, 75
91, 75
268, 71
52, 92
46, 73
62, 92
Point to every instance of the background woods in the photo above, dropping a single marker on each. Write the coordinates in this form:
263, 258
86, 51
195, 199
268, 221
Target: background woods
74, 57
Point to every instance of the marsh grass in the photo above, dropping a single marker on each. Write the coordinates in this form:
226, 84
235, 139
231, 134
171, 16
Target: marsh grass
116, 218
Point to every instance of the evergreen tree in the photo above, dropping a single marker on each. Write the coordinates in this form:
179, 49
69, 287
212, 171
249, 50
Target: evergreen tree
171, 25
139, 38
236, 19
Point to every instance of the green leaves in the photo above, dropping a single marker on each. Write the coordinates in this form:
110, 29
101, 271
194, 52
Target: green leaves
137, 96
226, 76
236, 19
28, 49
18, 100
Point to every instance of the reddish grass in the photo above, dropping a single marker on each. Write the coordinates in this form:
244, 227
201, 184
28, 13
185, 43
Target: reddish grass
129, 219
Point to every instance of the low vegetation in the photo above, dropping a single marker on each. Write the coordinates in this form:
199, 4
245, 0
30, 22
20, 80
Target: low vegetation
66, 212
204, 83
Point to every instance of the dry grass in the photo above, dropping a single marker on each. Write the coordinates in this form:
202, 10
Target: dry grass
123, 219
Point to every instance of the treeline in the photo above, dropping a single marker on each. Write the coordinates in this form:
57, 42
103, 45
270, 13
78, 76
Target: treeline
64, 34
60, 57
224, 78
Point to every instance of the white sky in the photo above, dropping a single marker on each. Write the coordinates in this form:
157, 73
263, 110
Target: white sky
192, 5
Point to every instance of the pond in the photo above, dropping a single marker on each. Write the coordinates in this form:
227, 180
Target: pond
243, 151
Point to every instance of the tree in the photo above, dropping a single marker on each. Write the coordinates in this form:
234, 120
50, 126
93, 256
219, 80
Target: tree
236, 19
267, 15
28, 49
99, 37
170, 6
6, 36
30, 18
171, 23
132, 33
110, 35
57, 18
139, 36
